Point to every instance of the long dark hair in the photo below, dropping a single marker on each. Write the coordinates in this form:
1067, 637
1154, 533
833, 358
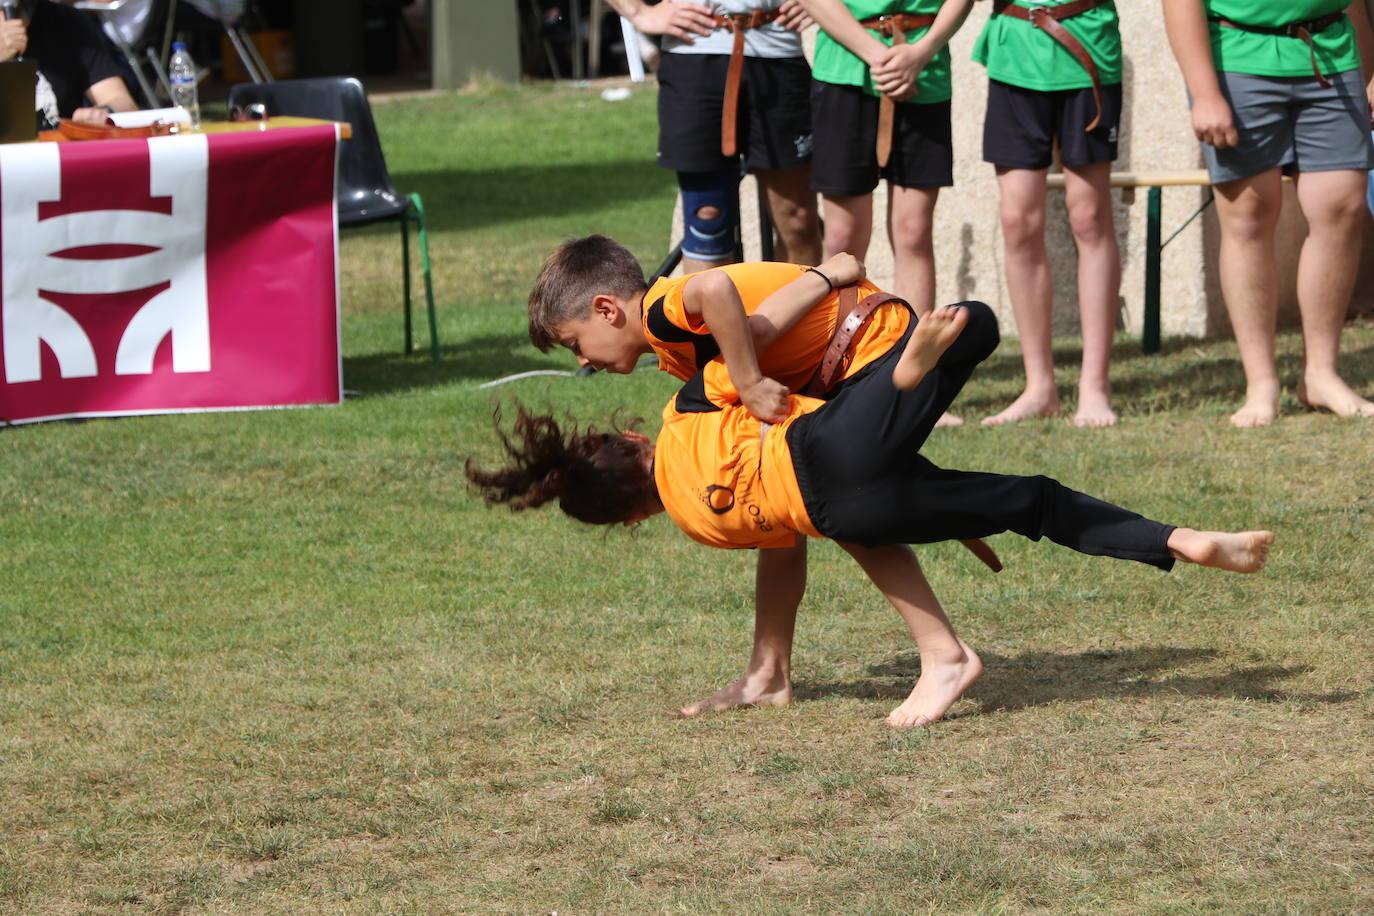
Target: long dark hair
597, 477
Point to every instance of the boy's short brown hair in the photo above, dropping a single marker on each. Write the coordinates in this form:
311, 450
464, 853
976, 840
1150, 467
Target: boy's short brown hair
576, 271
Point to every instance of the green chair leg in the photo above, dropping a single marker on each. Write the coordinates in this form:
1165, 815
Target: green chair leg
405, 277
418, 205
1149, 338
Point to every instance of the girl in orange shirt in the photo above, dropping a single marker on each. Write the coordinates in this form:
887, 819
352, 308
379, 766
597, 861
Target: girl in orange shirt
847, 469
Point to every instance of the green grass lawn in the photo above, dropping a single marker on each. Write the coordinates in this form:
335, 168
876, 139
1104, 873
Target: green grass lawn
284, 662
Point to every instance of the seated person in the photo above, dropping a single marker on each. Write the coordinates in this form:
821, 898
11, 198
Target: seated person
78, 76
847, 469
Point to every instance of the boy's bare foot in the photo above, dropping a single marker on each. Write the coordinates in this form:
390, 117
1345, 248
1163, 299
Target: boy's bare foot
940, 685
1094, 410
1240, 551
750, 690
933, 336
1029, 406
948, 421
1328, 391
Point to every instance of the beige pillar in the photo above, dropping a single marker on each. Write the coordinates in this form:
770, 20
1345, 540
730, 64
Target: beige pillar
474, 40
1156, 135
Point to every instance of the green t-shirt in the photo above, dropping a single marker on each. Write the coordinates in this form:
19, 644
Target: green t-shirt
1016, 52
1236, 51
834, 63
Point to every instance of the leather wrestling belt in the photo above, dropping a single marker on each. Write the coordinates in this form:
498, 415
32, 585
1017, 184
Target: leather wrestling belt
853, 313
738, 23
894, 27
1303, 30
1047, 19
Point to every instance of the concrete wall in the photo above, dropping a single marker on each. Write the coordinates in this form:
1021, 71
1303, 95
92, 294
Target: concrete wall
1157, 135
474, 39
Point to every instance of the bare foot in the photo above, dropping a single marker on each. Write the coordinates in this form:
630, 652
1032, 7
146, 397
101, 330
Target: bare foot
1094, 410
1240, 551
750, 690
1029, 406
1261, 406
948, 421
933, 335
940, 685
1330, 392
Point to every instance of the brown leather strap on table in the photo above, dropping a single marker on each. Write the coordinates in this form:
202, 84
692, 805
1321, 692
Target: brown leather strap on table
1302, 30
894, 27
739, 23
1047, 19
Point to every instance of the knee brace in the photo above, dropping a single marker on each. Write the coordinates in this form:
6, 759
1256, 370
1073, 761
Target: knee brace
710, 214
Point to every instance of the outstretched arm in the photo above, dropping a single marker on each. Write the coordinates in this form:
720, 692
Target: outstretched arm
781, 311
1186, 24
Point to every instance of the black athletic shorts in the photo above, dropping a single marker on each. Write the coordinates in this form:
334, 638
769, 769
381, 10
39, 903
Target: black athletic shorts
774, 127
1022, 125
846, 130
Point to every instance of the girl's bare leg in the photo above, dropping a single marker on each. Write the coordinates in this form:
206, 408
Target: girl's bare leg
848, 224
780, 582
948, 666
910, 219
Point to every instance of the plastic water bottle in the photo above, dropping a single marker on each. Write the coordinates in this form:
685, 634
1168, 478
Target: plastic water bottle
182, 74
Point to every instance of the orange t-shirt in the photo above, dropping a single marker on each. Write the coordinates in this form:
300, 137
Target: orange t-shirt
684, 344
723, 480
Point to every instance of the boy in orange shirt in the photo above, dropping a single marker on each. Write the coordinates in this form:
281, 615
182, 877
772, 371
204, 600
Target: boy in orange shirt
772, 324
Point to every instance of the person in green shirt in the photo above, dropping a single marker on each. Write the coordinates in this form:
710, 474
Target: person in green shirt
1055, 79
1276, 87
880, 109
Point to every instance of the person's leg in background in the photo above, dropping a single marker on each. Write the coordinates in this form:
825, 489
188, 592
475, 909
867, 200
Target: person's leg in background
1248, 211
1326, 279
1088, 194
796, 217
710, 216
1022, 194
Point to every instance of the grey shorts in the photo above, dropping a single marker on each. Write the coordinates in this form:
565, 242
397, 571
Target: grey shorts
1294, 124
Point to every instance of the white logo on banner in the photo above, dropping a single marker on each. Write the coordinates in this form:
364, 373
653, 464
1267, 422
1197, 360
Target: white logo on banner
30, 174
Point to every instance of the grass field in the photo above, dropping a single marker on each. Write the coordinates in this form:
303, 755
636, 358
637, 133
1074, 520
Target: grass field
284, 662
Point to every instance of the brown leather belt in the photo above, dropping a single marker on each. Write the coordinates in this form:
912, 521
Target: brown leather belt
1047, 19
739, 23
894, 27
851, 317
1301, 30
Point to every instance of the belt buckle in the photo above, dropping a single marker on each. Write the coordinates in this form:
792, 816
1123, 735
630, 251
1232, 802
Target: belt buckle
738, 21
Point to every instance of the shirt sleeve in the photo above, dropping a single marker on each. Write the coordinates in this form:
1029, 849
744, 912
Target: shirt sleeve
675, 310
97, 60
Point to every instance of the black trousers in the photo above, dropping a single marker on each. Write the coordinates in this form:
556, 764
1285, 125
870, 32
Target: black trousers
863, 479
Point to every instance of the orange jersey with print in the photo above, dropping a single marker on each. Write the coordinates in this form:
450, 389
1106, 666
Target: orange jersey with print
684, 345
725, 481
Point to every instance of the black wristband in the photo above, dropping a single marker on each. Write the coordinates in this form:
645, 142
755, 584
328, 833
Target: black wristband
829, 284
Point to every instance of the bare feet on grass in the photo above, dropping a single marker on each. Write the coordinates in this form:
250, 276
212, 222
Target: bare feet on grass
752, 690
933, 336
1094, 410
1328, 391
942, 682
1261, 406
1031, 405
1239, 551
948, 421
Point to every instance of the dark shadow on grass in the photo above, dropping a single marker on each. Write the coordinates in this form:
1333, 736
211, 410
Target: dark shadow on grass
461, 200
1039, 678
475, 359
